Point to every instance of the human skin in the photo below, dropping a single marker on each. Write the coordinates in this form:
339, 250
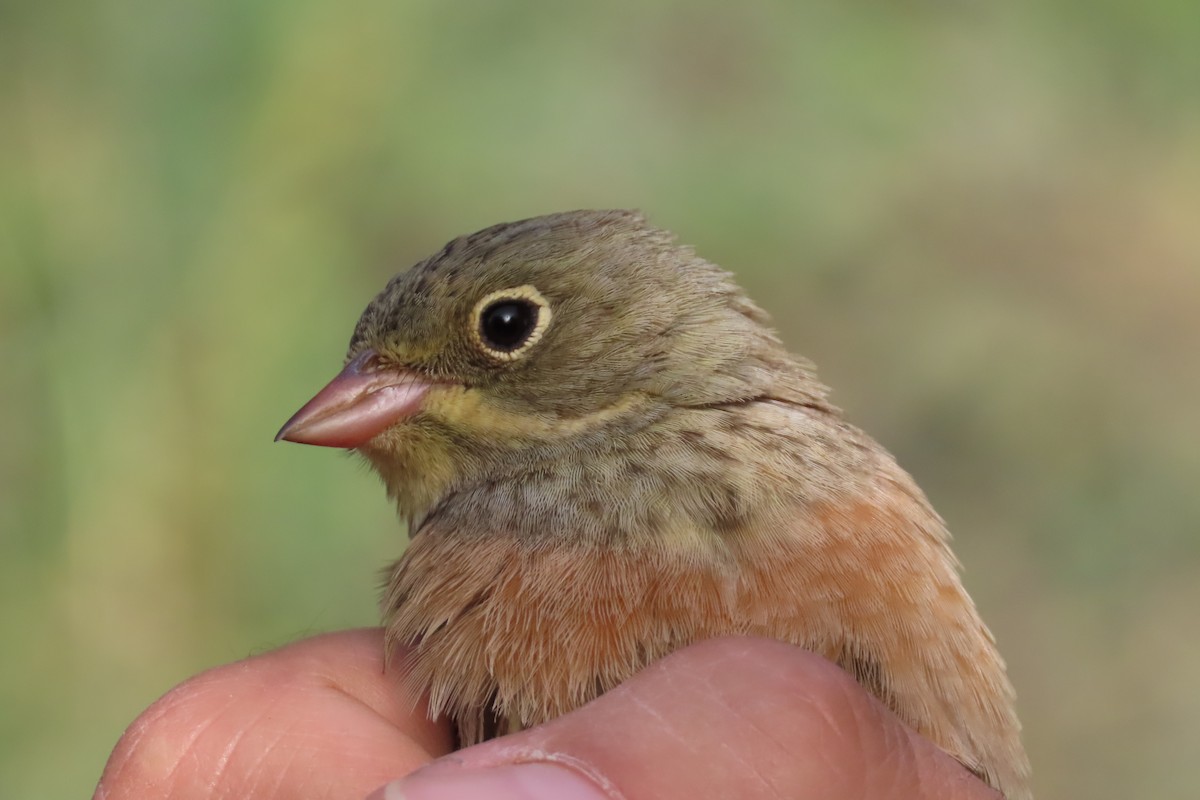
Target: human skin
735, 717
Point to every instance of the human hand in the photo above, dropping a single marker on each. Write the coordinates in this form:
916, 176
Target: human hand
746, 718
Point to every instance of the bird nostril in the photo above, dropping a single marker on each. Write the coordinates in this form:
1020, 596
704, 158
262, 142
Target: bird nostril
367, 361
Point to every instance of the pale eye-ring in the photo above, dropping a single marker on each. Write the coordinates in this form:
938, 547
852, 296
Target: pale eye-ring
509, 322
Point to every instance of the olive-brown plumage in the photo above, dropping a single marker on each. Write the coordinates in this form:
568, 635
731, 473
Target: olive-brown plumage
604, 453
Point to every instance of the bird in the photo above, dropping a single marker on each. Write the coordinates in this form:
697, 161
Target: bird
604, 452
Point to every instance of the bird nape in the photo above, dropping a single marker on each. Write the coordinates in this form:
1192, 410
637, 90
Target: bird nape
604, 453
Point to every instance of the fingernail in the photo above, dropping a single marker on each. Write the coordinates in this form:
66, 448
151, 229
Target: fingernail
535, 780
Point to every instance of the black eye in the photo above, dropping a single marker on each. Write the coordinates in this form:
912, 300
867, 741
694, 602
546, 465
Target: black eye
506, 324
510, 321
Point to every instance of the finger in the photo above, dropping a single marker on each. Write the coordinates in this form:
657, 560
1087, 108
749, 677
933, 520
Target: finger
746, 718
316, 719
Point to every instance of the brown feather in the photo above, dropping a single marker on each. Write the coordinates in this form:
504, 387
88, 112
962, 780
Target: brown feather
656, 470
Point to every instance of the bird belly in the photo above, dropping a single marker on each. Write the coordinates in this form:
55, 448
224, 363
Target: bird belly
508, 634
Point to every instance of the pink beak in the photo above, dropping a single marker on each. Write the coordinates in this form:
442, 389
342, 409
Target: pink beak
356, 405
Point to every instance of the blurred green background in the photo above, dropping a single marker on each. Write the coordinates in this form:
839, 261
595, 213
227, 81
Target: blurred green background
981, 220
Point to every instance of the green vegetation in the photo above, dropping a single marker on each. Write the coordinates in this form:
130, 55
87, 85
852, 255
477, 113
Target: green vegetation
981, 219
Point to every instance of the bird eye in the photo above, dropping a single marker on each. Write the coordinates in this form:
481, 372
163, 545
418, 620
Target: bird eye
511, 321
506, 324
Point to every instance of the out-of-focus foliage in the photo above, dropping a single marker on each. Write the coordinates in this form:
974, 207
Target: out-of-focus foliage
981, 219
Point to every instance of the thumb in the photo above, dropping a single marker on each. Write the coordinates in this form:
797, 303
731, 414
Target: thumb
747, 718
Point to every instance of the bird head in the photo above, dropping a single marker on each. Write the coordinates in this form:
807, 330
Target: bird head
531, 338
